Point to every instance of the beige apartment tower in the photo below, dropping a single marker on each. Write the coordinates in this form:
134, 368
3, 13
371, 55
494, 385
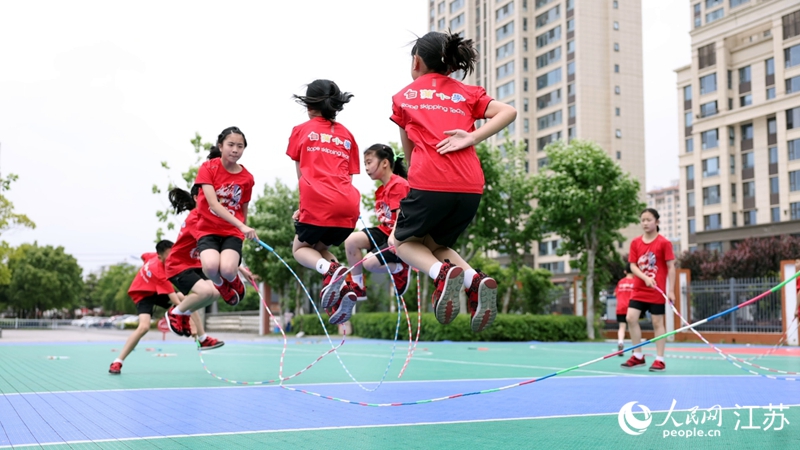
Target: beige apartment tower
739, 122
667, 201
572, 68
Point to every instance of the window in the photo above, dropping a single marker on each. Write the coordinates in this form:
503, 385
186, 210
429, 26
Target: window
616, 25
618, 134
549, 37
794, 149
691, 226
733, 164
731, 137
746, 100
687, 93
549, 120
744, 75
540, 3
775, 213
505, 70
697, 16
707, 55
708, 109
440, 24
710, 139
770, 66
544, 19
748, 160
616, 46
616, 4
749, 217
770, 93
554, 267
794, 209
548, 100
616, 68
690, 199
793, 84
690, 145
458, 21
525, 64
524, 24
619, 155
773, 185
748, 189
505, 31
542, 162
570, 89
794, 180
711, 167
552, 77
458, 4
617, 112
571, 111
542, 142
616, 90
570, 5
712, 222
525, 44
793, 118
549, 248
708, 84
572, 133
730, 79
791, 25
570, 25
711, 195
549, 57
747, 131
733, 220
571, 68
570, 47
525, 105
440, 8
715, 15
712, 3
504, 12
526, 128
791, 56
505, 90
773, 155
735, 3
690, 172
505, 50
687, 119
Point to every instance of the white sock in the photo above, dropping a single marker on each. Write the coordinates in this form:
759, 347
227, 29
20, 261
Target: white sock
398, 268
638, 355
177, 311
118, 361
202, 337
434, 270
221, 281
660, 358
323, 266
359, 280
621, 343
469, 274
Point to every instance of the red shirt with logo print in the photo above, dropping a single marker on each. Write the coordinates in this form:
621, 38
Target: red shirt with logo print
184, 255
150, 280
623, 293
651, 258
387, 201
328, 156
425, 109
233, 193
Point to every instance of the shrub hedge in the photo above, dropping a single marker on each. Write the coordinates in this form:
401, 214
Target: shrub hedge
506, 327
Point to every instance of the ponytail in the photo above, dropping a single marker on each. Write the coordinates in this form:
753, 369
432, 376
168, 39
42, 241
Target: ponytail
446, 53
182, 200
324, 96
395, 159
214, 151
655, 215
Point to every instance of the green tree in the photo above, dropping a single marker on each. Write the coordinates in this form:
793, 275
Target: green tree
42, 278
112, 287
9, 220
586, 198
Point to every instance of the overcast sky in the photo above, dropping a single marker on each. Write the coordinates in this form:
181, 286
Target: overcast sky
94, 95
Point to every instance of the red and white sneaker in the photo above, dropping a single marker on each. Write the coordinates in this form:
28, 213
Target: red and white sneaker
448, 286
482, 301
116, 368
227, 292
332, 285
361, 292
209, 343
343, 310
633, 362
401, 279
176, 323
658, 366
238, 287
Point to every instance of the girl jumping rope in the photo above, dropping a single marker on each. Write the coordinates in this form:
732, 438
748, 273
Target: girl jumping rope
436, 115
383, 165
326, 158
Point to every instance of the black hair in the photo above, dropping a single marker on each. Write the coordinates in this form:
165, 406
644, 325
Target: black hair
163, 246
385, 152
655, 214
182, 200
214, 151
445, 53
324, 96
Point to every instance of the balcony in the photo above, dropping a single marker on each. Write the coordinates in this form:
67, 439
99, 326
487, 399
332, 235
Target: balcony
749, 203
746, 144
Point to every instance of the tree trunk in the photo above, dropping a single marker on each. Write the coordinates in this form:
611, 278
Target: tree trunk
506, 300
590, 256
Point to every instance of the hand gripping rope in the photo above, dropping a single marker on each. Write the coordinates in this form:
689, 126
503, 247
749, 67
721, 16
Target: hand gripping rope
560, 372
733, 359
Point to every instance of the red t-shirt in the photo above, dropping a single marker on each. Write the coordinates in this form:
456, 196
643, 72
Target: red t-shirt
387, 200
233, 192
652, 260
623, 292
425, 109
328, 156
150, 280
184, 254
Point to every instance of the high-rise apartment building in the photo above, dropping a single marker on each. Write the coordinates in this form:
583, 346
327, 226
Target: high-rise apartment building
739, 114
667, 201
572, 68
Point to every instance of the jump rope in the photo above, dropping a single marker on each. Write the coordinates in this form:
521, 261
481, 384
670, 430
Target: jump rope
281, 379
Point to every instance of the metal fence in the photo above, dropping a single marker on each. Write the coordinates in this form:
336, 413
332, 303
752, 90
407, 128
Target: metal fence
711, 297
239, 321
16, 323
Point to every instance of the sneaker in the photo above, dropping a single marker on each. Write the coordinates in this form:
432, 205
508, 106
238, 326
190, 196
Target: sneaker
332, 285
658, 366
210, 343
343, 310
448, 287
633, 362
227, 292
482, 301
238, 287
176, 323
361, 293
187, 324
116, 368
401, 279
620, 347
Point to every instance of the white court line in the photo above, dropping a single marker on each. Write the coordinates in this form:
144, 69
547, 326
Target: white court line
346, 427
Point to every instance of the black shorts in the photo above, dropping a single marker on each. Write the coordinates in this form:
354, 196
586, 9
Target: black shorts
312, 234
145, 305
219, 243
383, 241
186, 280
655, 309
622, 318
442, 215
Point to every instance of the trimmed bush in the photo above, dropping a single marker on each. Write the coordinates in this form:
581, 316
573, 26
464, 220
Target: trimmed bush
506, 327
